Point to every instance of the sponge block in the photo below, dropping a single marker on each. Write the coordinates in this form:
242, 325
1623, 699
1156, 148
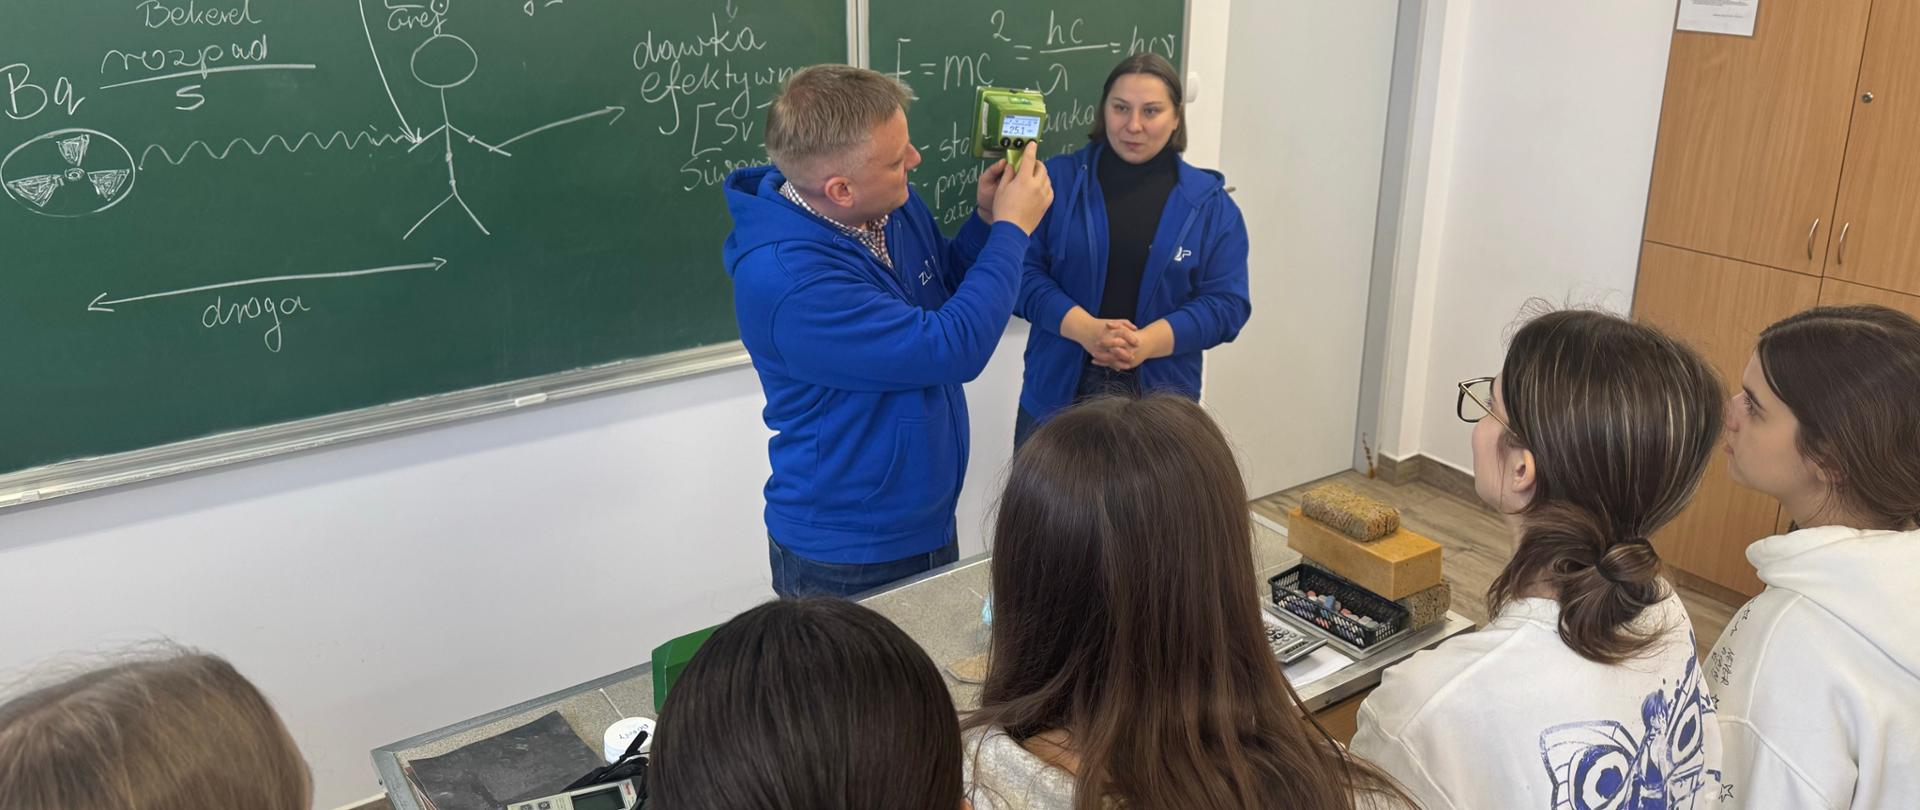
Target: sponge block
1395, 566
1428, 606
1355, 515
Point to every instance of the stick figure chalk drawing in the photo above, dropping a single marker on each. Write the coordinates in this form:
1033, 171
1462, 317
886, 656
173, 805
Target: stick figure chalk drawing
445, 61
68, 173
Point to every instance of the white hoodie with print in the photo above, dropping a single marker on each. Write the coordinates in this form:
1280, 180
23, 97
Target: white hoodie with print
1818, 678
1511, 717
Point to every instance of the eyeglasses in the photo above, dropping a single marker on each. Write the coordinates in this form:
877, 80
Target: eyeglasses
1479, 391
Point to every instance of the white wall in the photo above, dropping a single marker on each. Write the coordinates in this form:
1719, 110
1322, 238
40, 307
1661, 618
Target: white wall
1303, 144
1533, 183
383, 589
1206, 64
1416, 260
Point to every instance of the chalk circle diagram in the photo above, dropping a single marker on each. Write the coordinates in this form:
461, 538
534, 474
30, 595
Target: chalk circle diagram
444, 61
68, 173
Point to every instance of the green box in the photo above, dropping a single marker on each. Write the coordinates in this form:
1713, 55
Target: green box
1005, 121
671, 658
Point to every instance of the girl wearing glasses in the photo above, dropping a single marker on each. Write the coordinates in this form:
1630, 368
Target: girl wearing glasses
1818, 678
1583, 691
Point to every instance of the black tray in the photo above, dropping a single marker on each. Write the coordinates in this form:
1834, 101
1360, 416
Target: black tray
1290, 595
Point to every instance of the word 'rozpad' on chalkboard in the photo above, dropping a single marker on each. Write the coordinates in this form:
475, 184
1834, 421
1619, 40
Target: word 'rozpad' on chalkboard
227, 214
221, 218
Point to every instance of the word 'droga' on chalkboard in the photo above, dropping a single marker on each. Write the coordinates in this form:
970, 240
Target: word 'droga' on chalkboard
223, 218
228, 214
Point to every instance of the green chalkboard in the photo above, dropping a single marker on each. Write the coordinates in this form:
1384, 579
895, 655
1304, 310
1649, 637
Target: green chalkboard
1064, 48
217, 215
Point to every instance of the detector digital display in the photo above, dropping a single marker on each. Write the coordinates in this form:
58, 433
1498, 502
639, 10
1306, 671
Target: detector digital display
1005, 121
1020, 126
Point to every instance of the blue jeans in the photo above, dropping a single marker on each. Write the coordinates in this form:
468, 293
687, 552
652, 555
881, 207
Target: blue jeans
1094, 381
794, 575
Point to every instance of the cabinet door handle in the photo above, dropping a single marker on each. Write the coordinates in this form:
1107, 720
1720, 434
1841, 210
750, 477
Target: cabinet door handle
1841, 254
1810, 232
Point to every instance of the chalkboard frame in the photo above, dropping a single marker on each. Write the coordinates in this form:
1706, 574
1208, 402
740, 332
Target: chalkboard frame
76, 476
251, 444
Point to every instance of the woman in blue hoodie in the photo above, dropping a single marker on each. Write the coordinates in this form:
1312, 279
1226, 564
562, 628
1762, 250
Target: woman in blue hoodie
1141, 264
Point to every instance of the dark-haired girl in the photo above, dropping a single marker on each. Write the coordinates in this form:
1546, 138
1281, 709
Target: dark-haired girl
1130, 667
808, 704
1584, 690
1818, 678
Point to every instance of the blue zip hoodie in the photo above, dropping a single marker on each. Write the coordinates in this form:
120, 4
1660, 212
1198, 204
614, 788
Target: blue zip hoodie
1196, 278
862, 365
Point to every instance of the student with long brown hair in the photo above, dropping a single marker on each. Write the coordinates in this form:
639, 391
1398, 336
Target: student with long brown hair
177, 731
1583, 691
1129, 663
807, 704
1818, 678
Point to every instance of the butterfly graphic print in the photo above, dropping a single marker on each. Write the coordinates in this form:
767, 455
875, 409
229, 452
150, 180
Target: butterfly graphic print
1604, 765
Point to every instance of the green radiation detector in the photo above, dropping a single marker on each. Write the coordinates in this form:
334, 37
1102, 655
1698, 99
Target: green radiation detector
1005, 121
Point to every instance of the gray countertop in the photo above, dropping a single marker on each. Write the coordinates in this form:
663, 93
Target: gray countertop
940, 610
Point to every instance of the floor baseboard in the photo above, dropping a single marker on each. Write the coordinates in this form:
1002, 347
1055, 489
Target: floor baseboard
1428, 470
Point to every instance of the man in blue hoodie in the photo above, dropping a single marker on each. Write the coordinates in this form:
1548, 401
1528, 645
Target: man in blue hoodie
863, 321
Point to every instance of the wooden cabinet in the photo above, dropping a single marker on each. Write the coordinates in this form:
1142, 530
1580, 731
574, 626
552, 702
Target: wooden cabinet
1752, 134
1839, 293
1787, 174
1878, 214
1718, 306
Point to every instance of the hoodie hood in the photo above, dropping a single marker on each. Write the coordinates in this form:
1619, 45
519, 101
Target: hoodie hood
762, 216
1859, 576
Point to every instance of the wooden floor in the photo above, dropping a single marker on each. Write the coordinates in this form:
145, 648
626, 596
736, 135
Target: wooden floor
1476, 544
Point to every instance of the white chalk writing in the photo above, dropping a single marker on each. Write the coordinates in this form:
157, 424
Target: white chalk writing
225, 313
162, 15
27, 98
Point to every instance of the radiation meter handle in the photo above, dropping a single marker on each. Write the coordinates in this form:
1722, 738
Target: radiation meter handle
1024, 194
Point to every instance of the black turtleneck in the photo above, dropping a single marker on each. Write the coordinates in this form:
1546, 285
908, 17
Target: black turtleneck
1135, 195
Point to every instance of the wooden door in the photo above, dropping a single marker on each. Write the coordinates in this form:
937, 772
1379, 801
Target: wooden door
1719, 307
1752, 134
1879, 207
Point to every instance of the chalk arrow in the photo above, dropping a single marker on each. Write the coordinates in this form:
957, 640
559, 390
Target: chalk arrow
616, 112
101, 303
407, 130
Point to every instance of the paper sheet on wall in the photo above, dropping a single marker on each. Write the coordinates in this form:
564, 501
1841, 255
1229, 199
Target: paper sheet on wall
1719, 16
